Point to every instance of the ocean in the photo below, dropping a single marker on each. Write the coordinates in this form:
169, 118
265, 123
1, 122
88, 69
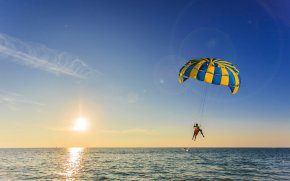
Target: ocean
145, 164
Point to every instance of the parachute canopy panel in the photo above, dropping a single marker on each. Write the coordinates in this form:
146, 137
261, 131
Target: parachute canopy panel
212, 71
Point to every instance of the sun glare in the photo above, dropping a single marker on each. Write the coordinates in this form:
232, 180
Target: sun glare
81, 124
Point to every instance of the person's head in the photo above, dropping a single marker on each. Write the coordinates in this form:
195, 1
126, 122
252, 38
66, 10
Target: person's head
196, 124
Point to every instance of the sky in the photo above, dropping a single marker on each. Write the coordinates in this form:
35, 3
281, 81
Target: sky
115, 63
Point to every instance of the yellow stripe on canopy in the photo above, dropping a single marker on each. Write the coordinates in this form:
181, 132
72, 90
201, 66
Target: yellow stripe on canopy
225, 77
209, 73
196, 68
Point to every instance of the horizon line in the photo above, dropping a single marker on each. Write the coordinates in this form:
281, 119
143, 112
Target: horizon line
266, 147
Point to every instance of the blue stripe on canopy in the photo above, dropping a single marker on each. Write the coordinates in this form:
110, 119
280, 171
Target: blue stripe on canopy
200, 75
204, 66
217, 70
231, 77
188, 70
217, 76
202, 71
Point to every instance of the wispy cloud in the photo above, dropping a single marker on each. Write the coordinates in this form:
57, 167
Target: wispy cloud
14, 100
41, 57
131, 131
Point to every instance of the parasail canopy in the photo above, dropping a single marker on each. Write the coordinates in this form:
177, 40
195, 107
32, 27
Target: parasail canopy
212, 71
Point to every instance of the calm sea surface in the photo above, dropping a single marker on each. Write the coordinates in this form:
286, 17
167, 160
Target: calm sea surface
145, 164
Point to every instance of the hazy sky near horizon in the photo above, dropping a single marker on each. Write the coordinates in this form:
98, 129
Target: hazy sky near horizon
116, 63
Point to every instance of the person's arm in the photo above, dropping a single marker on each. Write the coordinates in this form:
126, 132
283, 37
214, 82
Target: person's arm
201, 132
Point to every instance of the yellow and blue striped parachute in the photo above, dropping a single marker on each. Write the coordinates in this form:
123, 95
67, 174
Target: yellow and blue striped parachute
212, 71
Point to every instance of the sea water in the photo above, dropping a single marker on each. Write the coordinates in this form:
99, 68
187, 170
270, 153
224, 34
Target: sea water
145, 164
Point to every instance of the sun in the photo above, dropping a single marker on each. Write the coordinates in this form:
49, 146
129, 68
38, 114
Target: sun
81, 124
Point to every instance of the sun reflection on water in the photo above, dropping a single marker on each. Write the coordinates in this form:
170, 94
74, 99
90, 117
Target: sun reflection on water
73, 164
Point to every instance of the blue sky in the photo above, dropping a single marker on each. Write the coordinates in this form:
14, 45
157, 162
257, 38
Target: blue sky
117, 63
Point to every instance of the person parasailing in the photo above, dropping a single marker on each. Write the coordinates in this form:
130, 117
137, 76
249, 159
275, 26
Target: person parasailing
212, 71
196, 130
